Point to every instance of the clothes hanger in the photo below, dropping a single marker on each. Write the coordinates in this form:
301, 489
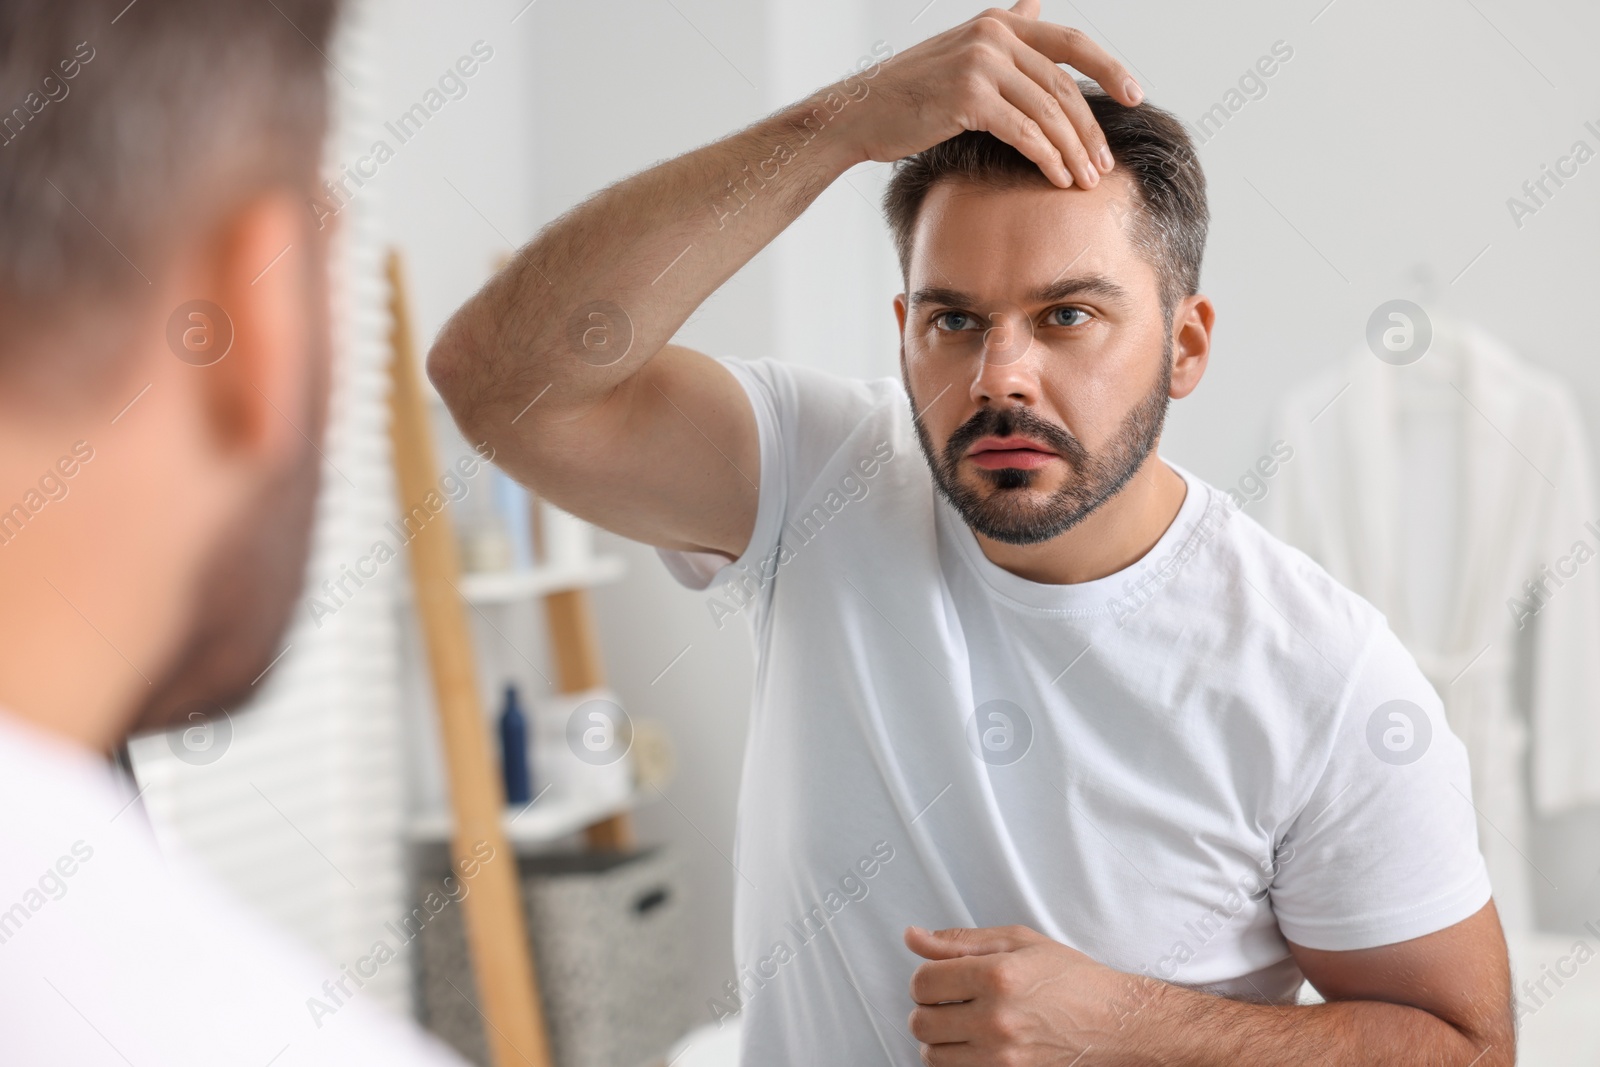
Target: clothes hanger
1425, 384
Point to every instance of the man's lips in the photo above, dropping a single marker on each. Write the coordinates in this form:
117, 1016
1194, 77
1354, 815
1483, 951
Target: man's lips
995, 453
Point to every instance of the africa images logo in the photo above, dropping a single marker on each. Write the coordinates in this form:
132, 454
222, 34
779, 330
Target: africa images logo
1399, 732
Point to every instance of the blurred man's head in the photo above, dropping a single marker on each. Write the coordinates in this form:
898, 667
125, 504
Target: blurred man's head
165, 341
1043, 330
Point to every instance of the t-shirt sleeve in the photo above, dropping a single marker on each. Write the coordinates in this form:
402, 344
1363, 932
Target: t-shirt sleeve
768, 387
1386, 848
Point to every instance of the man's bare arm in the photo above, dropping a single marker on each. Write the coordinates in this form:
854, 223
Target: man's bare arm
1443, 1000
652, 441
1012, 995
562, 362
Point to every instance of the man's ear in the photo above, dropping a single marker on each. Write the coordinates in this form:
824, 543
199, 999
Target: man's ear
1191, 343
259, 275
900, 317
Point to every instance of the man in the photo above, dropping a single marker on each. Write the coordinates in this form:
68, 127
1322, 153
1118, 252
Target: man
1036, 685
163, 374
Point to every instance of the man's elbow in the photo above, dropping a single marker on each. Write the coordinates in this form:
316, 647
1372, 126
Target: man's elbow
1493, 1039
450, 367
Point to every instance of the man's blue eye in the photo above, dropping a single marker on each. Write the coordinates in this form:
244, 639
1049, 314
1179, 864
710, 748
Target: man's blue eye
1068, 317
953, 320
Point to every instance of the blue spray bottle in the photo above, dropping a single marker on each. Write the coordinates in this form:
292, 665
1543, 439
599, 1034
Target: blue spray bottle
514, 750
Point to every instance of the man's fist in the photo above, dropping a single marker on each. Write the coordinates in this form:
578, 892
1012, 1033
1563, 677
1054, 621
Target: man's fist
1008, 995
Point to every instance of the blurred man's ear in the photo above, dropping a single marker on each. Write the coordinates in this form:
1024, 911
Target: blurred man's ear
256, 347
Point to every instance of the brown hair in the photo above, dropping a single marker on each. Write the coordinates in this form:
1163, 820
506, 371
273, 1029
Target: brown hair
125, 126
1150, 146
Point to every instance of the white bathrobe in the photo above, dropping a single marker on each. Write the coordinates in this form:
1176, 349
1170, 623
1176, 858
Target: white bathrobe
1438, 491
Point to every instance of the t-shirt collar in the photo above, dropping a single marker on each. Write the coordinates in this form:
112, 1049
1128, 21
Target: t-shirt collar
1079, 598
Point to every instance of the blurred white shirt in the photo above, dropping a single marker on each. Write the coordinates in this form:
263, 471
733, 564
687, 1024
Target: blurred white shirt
112, 952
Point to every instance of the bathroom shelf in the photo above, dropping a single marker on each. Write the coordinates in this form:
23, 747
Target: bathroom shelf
510, 587
546, 819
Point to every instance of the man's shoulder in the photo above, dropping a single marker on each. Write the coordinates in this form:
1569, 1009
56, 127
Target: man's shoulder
89, 900
52, 779
823, 425
817, 399
1263, 582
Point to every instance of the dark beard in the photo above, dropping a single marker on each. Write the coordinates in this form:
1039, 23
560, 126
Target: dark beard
248, 588
1094, 479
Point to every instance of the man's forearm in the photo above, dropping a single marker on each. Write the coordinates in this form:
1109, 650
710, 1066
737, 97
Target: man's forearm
1167, 1024
623, 270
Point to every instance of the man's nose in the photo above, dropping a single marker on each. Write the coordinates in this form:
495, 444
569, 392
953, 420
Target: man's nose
1006, 369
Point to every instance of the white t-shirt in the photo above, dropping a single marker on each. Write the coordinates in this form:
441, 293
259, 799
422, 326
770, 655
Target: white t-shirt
113, 953
1172, 769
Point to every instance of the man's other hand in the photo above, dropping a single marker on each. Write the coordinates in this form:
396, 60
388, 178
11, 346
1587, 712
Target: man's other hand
1009, 994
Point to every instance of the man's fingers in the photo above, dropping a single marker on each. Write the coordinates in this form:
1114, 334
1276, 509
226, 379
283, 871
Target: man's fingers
944, 1024
1022, 131
959, 1055
947, 981
1041, 105
1028, 9
1061, 87
1064, 44
968, 941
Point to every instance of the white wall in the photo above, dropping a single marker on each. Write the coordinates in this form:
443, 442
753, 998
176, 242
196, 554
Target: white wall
1390, 141
458, 196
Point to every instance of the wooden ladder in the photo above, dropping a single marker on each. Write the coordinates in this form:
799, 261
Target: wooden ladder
497, 937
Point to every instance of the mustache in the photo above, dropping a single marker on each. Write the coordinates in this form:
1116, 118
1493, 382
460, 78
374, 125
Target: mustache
1003, 422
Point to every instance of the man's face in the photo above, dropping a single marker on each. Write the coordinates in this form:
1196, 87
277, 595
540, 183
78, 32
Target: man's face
1035, 350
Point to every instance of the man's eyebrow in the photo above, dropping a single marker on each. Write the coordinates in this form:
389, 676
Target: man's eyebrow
937, 294
1082, 285
1063, 289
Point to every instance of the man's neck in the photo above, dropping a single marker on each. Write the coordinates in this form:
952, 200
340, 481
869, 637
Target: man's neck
76, 699
1118, 534
81, 623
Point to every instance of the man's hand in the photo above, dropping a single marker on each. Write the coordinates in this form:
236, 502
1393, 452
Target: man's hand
1008, 994
996, 72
